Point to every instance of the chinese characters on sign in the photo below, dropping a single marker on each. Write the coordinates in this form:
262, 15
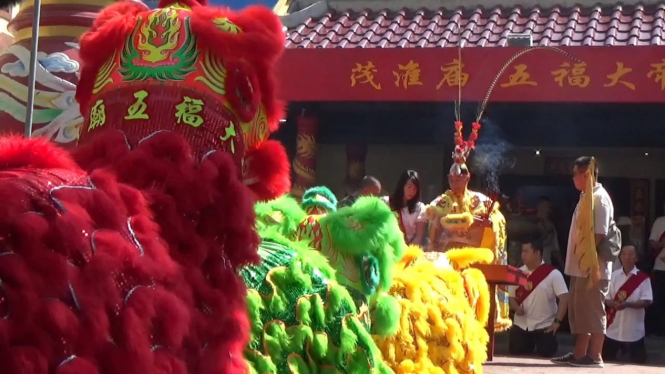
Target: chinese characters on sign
229, 132
453, 74
364, 74
616, 77
408, 75
574, 76
97, 115
188, 112
657, 73
137, 110
519, 77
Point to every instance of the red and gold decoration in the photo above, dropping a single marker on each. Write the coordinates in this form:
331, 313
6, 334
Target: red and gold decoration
166, 74
304, 164
462, 147
601, 74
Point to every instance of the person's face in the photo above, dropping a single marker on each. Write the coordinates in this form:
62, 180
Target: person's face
580, 177
628, 257
410, 190
458, 182
529, 256
373, 190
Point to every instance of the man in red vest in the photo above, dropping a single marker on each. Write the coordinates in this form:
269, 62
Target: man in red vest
630, 294
537, 316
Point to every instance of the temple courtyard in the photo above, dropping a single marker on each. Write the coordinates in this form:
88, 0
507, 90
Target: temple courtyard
504, 364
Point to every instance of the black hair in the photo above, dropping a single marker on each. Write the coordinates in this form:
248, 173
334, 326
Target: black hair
397, 198
585, 162
536, 244
629, 244
368, 181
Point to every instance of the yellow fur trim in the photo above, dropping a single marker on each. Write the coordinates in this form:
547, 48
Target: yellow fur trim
462, 258
444, 312
457, 221
412, 253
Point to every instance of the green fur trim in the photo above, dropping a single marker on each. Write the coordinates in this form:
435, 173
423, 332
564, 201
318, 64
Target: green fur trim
368, 227
319, 196
302, 320
283, 213
385, 313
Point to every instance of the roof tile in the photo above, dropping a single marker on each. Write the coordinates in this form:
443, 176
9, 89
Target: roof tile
555, 26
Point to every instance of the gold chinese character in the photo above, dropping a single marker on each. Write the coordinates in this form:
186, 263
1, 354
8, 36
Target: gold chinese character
364, 74
574, 76
658, 73
615, 78
408, 75
188, 110
97, 115
137, 110
453, 75
519, 78
229, 131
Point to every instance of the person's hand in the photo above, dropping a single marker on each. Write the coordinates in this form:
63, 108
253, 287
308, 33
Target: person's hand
553, 328
620, 306
610, 303
519, 311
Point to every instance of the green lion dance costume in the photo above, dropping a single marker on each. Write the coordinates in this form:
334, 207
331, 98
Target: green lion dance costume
314, 311
424, 316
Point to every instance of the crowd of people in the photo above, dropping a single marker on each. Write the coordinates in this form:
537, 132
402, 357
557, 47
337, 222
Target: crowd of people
605, 307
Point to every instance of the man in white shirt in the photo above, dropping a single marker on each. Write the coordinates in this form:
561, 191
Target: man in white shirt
630, 294
586, 307
537, 316
657, 310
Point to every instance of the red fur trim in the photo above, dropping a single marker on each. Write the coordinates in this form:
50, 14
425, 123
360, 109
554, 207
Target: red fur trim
205, 215
95, 284
260, 43
268, 172
39, 153
110, 29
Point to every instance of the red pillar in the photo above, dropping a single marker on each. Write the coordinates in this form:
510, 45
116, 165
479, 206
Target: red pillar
355, 166
304, 164
56, 114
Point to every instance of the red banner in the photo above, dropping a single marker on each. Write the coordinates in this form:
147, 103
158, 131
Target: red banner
602, 74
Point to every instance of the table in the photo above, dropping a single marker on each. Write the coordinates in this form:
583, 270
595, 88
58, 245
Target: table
498, 275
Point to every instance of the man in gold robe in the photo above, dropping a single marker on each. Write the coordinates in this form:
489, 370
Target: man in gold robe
462, 218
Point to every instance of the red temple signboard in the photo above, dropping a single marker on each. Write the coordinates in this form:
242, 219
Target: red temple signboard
600, 74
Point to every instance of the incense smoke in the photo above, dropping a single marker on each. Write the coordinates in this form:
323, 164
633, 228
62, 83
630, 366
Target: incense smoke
490, 154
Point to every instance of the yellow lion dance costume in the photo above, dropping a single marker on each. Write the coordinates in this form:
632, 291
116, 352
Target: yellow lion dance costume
445, 308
